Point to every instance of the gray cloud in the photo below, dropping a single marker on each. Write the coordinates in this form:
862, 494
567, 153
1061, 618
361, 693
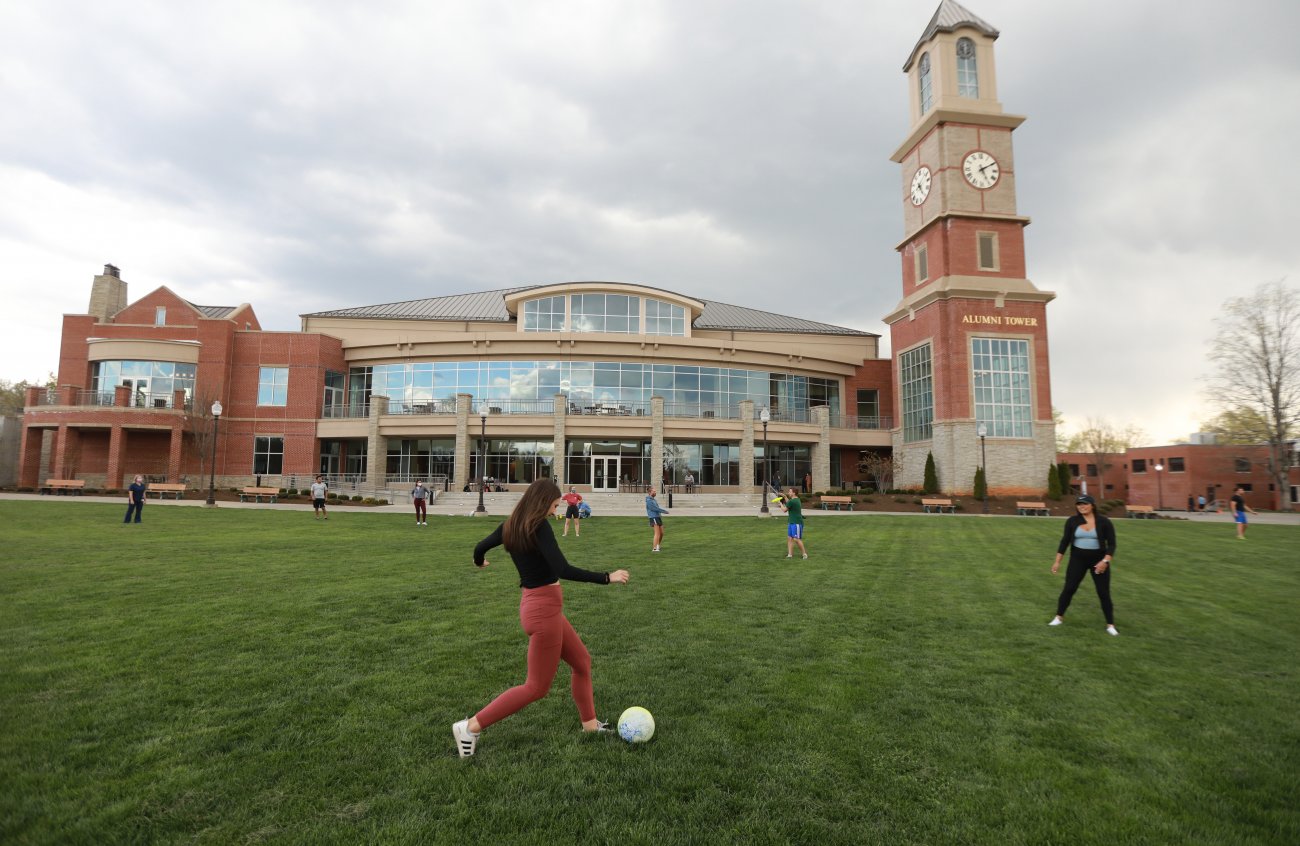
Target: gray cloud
311, 156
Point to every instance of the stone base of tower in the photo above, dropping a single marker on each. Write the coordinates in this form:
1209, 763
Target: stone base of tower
1015, 466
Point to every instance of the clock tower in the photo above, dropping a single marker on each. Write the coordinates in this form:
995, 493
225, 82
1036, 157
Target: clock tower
969, 337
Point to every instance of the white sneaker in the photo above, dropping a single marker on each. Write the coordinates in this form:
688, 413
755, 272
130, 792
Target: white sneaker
1110, 630
654, 549
1056, 621
789, 556
466, 740
805, 558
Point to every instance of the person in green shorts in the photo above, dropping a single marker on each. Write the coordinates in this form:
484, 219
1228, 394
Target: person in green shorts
794, 528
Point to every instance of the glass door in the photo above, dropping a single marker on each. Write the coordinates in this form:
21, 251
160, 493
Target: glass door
604, 473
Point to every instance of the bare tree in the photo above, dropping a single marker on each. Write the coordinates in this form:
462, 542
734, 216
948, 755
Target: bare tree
1257, 354
1103, 441
880, 467
198, 423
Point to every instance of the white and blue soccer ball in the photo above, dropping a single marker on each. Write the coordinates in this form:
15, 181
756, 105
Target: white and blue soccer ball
636, 725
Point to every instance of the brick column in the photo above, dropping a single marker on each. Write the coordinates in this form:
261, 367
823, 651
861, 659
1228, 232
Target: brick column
821, 451
60, 450
561, 420
746, 445
113, 475
29, 468
656, 442
176, 451
462, 442
121, 396
65, 395
376, 446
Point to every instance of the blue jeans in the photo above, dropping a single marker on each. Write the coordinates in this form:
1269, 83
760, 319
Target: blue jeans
137, 507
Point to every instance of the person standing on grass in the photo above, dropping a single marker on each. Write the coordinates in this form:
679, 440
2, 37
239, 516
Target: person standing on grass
527, 536
655, 512
572, 500
794, 528
135, 499
419, 498
318, 491
1090, 538
1239, 509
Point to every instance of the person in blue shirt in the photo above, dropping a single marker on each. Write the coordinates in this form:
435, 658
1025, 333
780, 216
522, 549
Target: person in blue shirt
135, 499
1090, 537
655, 512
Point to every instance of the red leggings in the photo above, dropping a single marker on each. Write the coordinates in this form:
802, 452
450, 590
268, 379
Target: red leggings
419, 508
550, 638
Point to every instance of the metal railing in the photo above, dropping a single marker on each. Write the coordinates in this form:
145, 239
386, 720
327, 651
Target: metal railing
702, 411
502, 406
344, 411
614, 409
423, 407
853, 421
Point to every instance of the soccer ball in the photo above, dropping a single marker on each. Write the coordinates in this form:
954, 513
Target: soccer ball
636, 725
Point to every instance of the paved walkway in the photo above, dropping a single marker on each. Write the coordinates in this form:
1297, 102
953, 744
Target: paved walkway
405, 509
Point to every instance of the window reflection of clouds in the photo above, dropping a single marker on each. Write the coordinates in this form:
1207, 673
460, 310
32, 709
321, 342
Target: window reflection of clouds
587, 381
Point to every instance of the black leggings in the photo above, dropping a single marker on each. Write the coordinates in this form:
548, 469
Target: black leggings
1082, 562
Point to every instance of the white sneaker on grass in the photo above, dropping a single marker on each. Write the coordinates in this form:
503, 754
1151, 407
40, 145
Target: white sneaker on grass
466, 740
1110, 630
1056, 621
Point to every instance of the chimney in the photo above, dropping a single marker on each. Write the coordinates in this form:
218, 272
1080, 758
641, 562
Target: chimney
107, 294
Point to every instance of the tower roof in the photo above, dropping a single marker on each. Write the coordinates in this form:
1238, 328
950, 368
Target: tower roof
949, 17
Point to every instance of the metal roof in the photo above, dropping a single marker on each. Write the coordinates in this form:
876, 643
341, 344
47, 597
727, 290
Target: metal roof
949, 17
212, 311
490, 306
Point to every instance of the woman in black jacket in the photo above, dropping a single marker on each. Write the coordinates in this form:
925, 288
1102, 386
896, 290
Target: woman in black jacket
1091, 539
527, 536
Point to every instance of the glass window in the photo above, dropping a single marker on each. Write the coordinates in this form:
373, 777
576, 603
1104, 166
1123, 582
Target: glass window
605, 313
923, 72
916, 381
153, 383
922, 264
1139, 465
1176, 465
1242, 465
968, 84
988, 250
544, 315
160, 316
268, 456
1001, 378
868, 403
273, 386
664, 318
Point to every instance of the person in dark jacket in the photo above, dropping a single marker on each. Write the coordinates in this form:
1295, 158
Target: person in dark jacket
527, 536
1090, 537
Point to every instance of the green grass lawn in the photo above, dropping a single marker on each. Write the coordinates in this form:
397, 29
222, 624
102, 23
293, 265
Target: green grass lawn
243, 676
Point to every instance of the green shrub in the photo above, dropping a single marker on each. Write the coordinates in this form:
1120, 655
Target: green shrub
1053, 481
331, 495
292, 492
931, 485
381, 501
356, 498
981, 486
368, 501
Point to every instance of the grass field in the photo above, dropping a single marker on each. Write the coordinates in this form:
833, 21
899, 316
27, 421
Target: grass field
244, 676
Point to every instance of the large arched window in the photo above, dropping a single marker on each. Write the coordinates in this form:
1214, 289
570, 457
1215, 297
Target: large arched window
923, 71
968, 82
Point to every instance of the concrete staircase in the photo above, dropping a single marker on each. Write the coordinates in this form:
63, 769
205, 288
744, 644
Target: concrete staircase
602, 504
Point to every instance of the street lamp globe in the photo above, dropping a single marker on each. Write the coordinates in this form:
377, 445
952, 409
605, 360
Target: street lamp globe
764, 417
212, 477
216, 408
483, 411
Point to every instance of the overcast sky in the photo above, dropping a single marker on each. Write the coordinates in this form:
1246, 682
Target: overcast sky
316, 155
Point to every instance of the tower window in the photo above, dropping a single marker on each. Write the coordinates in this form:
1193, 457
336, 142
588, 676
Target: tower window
1000, 370
922, 264
923, 72
988, 250
968, 83
160, 316
916, 387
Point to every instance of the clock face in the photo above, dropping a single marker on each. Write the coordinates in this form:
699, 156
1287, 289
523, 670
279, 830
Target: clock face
921, 185
980, 169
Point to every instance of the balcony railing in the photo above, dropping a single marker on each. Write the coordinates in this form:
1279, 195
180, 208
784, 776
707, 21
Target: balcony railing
423, 407
344, 411
106, 399
853, 421
614, 409
702, 411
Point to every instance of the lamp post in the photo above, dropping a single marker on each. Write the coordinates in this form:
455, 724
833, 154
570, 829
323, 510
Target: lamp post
1160, 489
482, 457
212, 479
983, 430
765, 416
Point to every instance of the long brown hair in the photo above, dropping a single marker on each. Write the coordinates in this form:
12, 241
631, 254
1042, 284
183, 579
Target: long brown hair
533, 509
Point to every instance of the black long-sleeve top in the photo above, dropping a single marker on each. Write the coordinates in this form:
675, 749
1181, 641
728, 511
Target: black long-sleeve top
1105, 534
544, 564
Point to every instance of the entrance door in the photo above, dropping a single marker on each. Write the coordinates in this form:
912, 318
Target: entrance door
604, 473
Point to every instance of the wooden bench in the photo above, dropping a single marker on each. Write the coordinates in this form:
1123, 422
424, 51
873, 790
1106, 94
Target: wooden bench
257, 493
1033, 509
938, 505
160, 488
64, 486
840, 502
1146, 511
